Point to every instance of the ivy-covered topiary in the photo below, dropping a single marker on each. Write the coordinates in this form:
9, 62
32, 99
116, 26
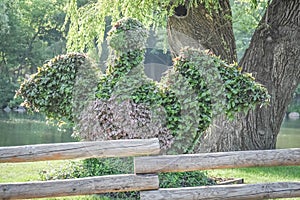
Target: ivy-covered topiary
61, 87
127, 104
206, 86
216, 82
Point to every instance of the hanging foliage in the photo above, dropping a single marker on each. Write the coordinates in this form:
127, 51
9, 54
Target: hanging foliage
85, 21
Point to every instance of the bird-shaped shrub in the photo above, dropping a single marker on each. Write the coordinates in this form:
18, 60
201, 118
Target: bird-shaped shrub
127, 104
205, 87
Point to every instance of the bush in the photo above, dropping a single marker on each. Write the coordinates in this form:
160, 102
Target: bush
113, 166
90, 167
184, 179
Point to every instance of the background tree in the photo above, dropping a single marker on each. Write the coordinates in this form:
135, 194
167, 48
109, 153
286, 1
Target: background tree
271, 57
245, 19
31, 32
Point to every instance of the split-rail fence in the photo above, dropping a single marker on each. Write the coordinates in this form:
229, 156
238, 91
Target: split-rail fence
147, 164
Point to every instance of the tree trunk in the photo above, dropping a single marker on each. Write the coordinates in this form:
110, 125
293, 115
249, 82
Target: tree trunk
274, 59
204, 29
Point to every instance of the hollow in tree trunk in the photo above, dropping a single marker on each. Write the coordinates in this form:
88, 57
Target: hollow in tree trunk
199, 28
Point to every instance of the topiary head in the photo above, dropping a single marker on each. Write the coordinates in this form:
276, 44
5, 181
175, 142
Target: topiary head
127, 34
61, 87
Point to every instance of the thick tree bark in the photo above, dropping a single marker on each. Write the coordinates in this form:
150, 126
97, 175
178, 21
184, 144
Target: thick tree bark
204, 29
274, 59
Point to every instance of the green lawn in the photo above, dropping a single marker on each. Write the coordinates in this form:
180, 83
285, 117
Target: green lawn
21, 172
260, 174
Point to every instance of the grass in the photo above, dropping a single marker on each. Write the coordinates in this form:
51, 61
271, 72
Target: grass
260, 174
22, 172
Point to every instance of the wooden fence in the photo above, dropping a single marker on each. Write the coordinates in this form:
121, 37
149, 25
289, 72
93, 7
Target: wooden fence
146, 168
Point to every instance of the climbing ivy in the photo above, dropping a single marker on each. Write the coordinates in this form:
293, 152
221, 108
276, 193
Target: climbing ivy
216, 82
206, 86
60, 87
127, 104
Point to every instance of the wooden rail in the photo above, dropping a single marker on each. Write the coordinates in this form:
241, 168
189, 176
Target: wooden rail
236, 159
73, 150
143, 180
232, 192
82, 186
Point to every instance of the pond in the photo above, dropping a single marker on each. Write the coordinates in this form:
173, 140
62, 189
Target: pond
289, 135
22, 129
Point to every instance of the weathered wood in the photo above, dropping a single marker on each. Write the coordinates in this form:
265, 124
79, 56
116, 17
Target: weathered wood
82, 186
192, 162
61, 151
232, 192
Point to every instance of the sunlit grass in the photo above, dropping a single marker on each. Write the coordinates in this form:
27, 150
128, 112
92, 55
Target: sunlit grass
22, 172
260, 174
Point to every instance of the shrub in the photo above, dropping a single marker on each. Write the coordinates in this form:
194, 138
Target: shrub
113, 166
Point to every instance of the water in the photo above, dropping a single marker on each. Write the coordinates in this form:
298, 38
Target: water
289, 135
22, 129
